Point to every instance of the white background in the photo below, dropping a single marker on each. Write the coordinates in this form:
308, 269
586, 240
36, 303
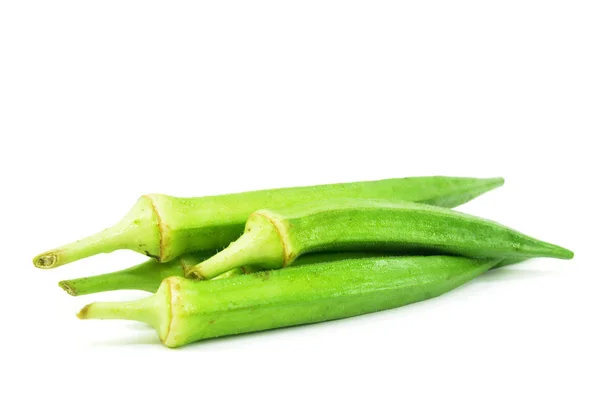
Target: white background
101, 102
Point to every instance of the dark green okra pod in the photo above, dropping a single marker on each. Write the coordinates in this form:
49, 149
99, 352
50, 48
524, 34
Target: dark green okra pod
275, 239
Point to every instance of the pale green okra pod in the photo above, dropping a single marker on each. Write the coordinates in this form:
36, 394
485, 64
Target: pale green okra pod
184, 311
165, 227
274, 239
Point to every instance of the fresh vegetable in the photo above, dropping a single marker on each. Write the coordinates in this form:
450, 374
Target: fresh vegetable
165, 227
184, 311
275, 239
148, 275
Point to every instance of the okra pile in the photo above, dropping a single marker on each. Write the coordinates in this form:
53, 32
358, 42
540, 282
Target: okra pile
251, 261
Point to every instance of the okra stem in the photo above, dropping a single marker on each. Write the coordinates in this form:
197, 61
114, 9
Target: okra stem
143, 310
146, 276
136, 231
165, 227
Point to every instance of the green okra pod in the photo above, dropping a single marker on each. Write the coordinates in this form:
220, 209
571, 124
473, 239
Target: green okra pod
275, 239
148, 275
184, 311
165, 227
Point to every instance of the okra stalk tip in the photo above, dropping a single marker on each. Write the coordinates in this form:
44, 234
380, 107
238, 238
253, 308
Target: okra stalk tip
47, 260
83, 313
194, 274
68, 288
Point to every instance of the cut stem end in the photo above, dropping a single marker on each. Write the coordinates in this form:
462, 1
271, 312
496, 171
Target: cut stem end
68, 288
195, 274
83, 313
47, 260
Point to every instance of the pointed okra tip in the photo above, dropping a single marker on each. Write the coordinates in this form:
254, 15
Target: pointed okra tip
555, 251
488, 184
567, 254
496, 182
